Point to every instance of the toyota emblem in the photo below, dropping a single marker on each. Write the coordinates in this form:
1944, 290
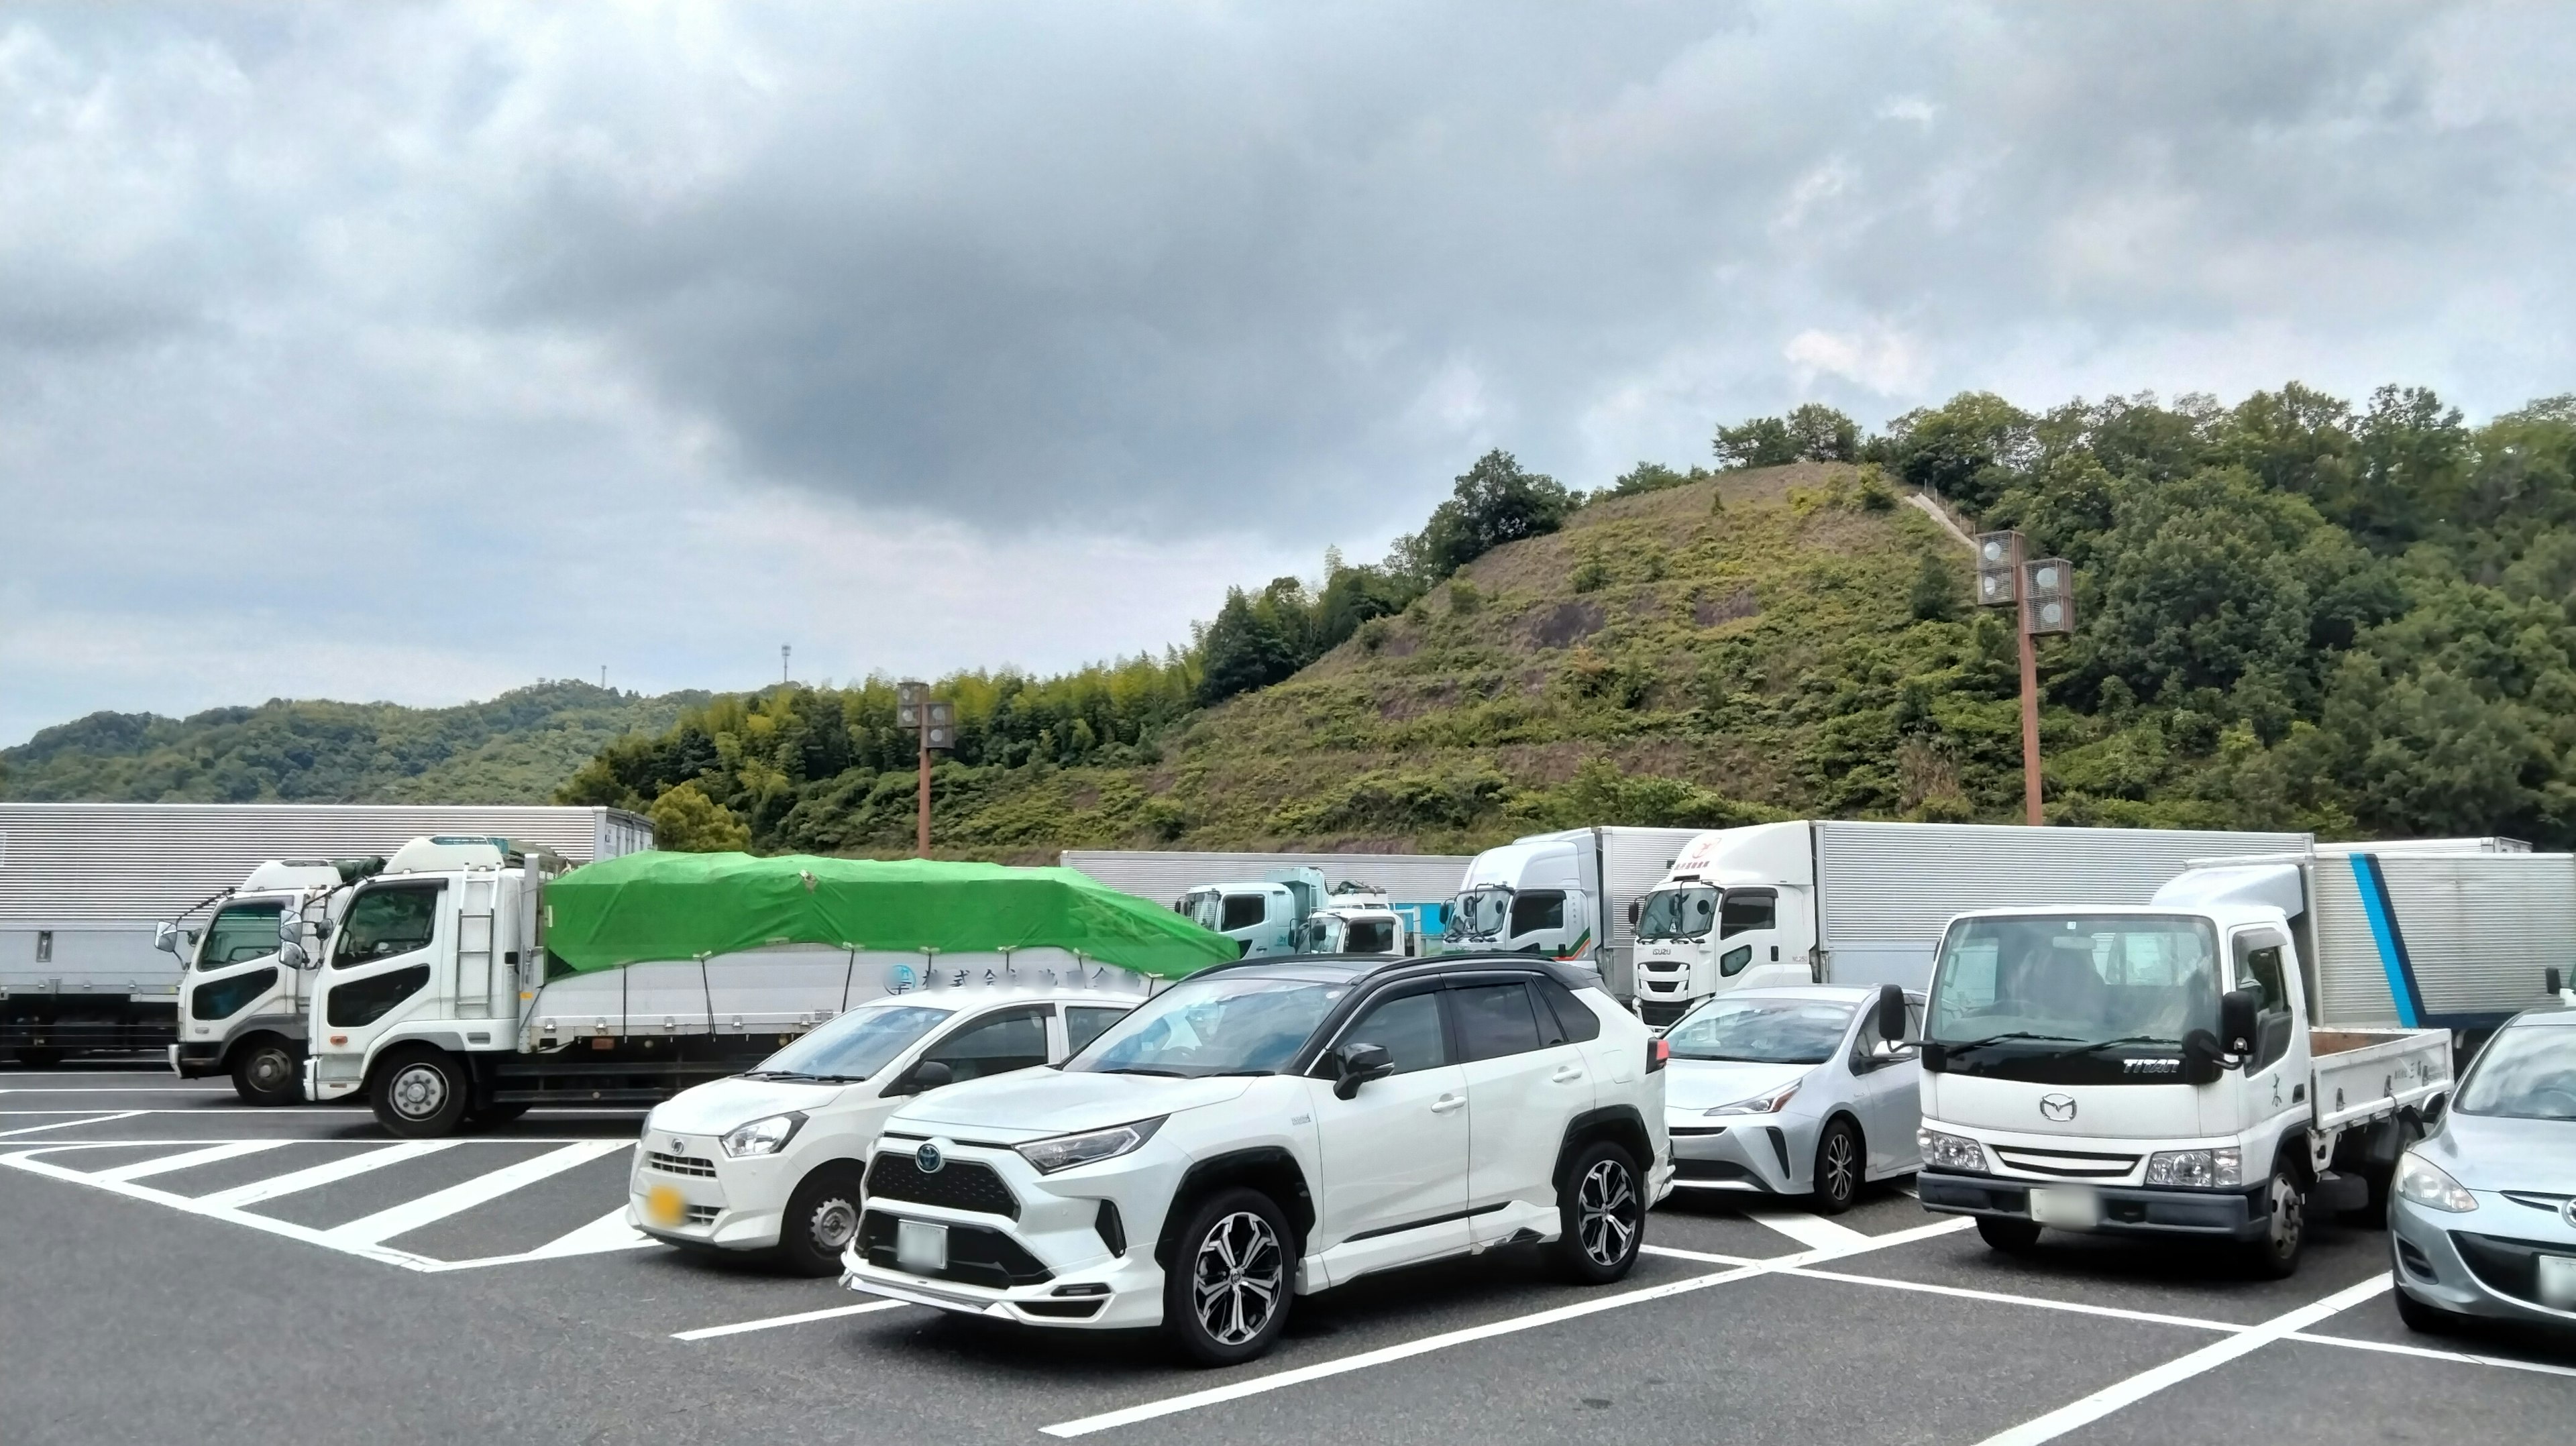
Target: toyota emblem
2057, 1107
927, 1159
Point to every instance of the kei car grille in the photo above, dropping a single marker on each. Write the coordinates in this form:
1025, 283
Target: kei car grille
2506, 1266
704, 1214
958, 1185
679, 1164
2066, 1164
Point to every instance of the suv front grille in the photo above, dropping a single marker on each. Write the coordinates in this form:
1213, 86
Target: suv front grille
977, 1254
679, 1164
2065, 1164
958, 1185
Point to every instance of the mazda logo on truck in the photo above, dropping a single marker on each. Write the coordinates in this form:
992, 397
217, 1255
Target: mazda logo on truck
2057, 1107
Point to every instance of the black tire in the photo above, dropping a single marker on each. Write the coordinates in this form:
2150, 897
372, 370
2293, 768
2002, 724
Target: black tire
1600, 1214
485, 1117
2275, 1255
822, 1219
265, 1072
2423, 1319
1226, 1293
420, 1092
2012, 1237
1840, 1164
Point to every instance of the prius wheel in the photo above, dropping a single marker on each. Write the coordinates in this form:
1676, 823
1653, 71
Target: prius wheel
1837, 1168
1225, 1297
1601, 1215
822, 1219
264, 1073
420, 1093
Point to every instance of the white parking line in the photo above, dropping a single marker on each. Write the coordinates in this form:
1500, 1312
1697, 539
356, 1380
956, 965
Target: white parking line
2429, 1353
1702, 1256
429, 1209
106, 1119
708, 1333
1322, 1370
1812, 1231
190, 1159
329, 1172
2146, 1383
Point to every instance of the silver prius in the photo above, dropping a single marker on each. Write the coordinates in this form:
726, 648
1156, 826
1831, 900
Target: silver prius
1795, 1090
2482, 1219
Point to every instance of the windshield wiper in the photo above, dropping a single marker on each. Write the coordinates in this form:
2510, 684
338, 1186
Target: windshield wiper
1140, 1069
2000, 1038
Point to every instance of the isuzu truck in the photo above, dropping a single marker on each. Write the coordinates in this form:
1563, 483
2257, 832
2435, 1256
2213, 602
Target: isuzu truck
2263, 1038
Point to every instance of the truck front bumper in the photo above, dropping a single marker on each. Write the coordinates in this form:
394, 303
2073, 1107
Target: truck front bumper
197, 1061
2123, 1209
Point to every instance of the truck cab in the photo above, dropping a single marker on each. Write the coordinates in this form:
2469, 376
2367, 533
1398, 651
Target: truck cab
1527, 897
1355, 920
1265, 916
1737, 911
241, 1002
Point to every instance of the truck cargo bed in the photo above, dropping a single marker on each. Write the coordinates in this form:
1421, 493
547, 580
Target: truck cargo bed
2362, 1074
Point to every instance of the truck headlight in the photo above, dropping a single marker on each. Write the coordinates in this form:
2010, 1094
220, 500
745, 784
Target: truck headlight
2197, 1169
1949, 1152
2428, 1185
1063, 1152
1759, 1104
762, 1137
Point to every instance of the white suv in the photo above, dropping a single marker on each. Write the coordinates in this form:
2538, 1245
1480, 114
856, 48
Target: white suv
1268, 1128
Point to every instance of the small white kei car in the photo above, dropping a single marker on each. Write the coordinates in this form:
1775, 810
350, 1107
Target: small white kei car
1275, 1128
1796, 1090
770, 1160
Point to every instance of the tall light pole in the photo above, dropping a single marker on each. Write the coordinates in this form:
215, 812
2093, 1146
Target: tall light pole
2042, 595
933, 723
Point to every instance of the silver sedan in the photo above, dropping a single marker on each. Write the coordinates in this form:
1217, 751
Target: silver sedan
1796, 1090
2483, 1217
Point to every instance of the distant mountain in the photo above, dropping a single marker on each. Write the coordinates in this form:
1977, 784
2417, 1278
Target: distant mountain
516, 748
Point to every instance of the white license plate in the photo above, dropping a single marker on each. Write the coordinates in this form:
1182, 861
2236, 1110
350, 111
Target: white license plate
2068, 1207
2558, 1281
920, 1247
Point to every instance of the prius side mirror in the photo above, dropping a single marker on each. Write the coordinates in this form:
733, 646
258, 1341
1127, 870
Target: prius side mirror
1360, 1064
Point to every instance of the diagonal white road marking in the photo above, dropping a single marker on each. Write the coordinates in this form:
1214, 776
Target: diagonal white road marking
189, 1159
106, 1119
329, 1172
711, 1332
1959, 1292
429, 1209
2146, 1383
608, 1232
1812, 1231
2430, 1354
1702, 1256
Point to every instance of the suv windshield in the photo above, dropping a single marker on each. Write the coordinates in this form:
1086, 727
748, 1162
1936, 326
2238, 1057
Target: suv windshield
856, 1045
1763, 1031
1230, 1024
1479, 912
2061, 997
1682, 913
2526, 1073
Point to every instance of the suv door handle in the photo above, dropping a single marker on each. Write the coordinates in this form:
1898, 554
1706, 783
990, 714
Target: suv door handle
1447, 1104
1567, 1073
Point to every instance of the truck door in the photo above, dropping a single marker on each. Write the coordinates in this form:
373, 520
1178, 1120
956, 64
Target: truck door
2275, 1083
1538, 923
1748, 948
384, 961
237, 969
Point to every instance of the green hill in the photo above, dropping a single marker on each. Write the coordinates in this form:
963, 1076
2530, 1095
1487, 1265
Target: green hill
516, 748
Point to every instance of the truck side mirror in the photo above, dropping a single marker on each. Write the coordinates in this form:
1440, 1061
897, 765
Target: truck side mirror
2201, 1058
290, 954
2551, 981
1360, 1064
2236, 1026
1635, 908
165, 937
1891, 1012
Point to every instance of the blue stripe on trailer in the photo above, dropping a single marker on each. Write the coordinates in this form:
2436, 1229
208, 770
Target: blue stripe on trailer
2393, 961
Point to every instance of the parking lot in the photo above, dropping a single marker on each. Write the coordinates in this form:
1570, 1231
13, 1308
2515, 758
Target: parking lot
182, 1267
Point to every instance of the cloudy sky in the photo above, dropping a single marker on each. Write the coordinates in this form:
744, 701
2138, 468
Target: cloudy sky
419, 351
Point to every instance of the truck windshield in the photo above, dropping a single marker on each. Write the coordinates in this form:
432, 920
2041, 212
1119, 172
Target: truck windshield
1480, 912
2527, 1072
2066, 998
1206, 907
241, 931
1212, 1026
854, 1046
1682, 913
1368, 936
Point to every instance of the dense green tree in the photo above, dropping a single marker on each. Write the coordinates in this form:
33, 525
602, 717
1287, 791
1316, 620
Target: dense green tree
1494, 502
686, 821
1969, 449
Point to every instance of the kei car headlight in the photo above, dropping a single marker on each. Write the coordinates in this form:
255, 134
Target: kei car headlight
2428, 1185
1949, 1152
2197, 1169
1063, 1152
762, 1137
1759, 1104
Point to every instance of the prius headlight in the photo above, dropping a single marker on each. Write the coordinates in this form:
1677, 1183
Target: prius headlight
1064, 1152
1764, 1104
762, 1137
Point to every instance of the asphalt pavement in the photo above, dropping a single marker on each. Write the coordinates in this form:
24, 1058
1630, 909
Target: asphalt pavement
179, 1267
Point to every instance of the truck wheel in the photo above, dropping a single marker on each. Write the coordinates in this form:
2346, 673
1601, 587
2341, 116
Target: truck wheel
265, 1073
822, 1219
1225, 1298
1838, 1167
1600, 1215
2012, 1237
420, 1093
2275, 1256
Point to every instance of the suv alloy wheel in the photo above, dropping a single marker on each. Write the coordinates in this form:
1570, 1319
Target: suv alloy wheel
1602, 1214
1225, 1294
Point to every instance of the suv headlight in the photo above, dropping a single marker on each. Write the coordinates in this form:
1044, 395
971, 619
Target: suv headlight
1759, 1104
1063, 1152
1949, 1152
762, 1137
2197, 1169
2428, 1185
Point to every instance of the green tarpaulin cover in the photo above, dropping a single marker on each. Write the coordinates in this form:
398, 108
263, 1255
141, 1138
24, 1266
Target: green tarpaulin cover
652, 906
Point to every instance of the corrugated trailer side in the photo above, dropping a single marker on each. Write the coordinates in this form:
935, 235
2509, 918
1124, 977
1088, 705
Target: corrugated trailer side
1885, 890
2454, 941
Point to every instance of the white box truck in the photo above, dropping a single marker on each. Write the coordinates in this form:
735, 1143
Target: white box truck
1567, 895
1831, 902
1417, 886
2264, 1037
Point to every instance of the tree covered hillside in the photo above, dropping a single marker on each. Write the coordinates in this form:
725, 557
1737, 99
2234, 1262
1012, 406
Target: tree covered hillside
516, 748
2293, 612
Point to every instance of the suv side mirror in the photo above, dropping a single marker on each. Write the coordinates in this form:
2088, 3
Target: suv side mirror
165, 937
930, 1074
1360, 1064
2236, 1022
1891, 1012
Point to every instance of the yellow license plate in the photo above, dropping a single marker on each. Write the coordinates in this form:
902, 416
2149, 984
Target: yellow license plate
663, 1205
